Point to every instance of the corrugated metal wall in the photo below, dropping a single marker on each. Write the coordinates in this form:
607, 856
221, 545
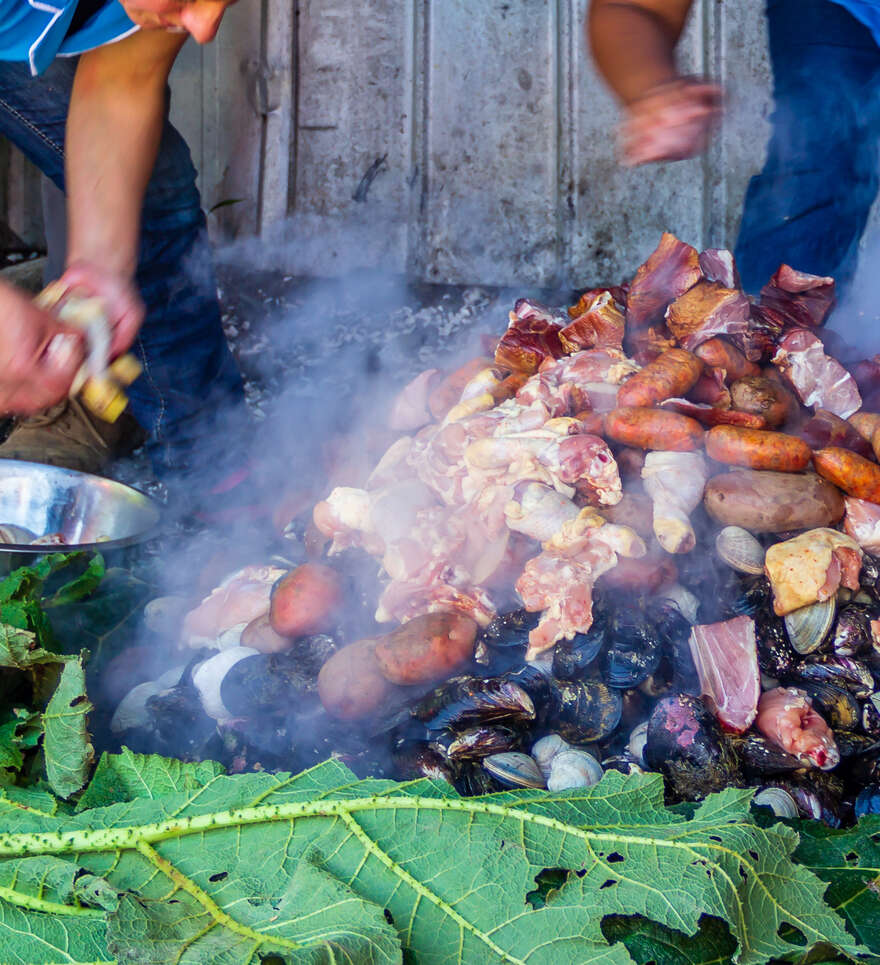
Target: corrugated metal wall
457, 141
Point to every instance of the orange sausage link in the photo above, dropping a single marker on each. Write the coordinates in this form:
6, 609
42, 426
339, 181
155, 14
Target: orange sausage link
718, 354
757, 449
852, 473
654, 429
669, 376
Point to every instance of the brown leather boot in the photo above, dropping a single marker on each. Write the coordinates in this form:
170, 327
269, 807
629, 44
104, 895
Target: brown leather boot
69, 435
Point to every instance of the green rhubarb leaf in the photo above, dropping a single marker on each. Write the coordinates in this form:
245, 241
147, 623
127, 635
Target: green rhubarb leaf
126, 776
10, 752
849, 860
68, 751
648, 942
453, 876
80, 586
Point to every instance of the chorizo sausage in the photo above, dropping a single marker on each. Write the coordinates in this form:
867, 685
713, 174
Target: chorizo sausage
852, 473
718, 354
654, 429
757, 449
670, 375
865, 423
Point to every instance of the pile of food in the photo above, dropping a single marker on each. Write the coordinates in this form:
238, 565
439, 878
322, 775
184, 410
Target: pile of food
636, 535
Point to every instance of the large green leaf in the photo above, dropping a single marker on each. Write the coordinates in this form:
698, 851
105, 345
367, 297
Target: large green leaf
68, 751
649, 942
307, 868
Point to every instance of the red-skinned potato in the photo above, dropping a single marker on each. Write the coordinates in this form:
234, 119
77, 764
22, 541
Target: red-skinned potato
428, 648
350, 683
305, 600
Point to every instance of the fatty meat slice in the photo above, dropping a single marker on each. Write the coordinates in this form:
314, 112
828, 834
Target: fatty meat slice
718, 265
801, 298
811, 567
726, 657
862, 523
819, 380
670, 271
706, 310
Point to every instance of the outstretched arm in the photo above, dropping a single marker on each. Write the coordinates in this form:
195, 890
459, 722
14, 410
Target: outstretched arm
114, 126
666, 116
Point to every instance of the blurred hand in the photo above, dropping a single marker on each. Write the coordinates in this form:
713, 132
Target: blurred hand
39, 356
125, 310
670, 123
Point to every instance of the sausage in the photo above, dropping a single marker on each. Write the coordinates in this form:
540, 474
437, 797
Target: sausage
592, 422
852, 473
764, 397
718, 354
670, 375
772, 502
757, 449
654, 429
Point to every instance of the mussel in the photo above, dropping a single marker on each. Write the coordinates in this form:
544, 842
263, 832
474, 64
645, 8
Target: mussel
686, 745
868, 801
854, 632
413, 760
759, 756
837, 705
465, 701
266, 684
844, 672
571, 658
633, 651
476, 742
507, 637
586, 710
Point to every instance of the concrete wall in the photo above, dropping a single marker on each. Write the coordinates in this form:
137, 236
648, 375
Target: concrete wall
458, 141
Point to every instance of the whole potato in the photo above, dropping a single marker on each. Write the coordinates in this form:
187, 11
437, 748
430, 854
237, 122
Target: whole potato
772, 502
350, 683
305, 600
428, 648
765, 397
260, 635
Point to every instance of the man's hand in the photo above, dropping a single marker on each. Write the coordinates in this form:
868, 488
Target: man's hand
125, 310
670, 123
39, 356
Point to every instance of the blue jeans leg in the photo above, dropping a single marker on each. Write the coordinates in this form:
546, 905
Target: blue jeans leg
189, 373
809, 205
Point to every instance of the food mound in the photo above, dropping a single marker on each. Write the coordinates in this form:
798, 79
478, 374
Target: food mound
638, 535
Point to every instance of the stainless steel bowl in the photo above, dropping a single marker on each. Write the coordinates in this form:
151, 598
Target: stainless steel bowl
90, 512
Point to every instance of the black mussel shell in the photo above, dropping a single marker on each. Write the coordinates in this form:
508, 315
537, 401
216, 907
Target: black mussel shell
818, 796
540, 688
412, 760
854, 744
759, 757
871, 718
464, 702
179, 725
266, 683
312, 652
625, 763
633, 651
571, 658
852, 632
846, 672
510, 629
754, 598
776, 656
869, 575
476, 742
686, 745
472, 780
586, 710
868, 801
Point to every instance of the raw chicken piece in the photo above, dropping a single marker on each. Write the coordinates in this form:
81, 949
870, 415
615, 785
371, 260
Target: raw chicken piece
538, 511
675, 482
220, 618
726, 657
410, 408
819, 380
862, 522
811, 567
706, 310
568, 385
670, 271
786, 717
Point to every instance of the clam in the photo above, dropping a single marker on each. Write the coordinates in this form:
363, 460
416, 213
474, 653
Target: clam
740, 550
514, 769
808, 626
573, 768
780, 802
637, 740
544, 750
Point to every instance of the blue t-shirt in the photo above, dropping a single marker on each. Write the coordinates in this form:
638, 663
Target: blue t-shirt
35, 31
868, 11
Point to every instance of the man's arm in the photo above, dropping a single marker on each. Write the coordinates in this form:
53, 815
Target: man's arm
114, 126
666, 116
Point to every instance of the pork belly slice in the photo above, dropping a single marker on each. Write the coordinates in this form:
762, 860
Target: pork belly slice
819, 380
601, 325
670, 271
527, 342
802, 298
726, 657
786, 717
718, 265
706, 310
862, 523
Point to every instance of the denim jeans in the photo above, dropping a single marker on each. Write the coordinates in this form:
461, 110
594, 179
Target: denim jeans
189, 373
809, 205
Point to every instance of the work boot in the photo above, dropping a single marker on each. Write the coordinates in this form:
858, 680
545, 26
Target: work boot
69, 435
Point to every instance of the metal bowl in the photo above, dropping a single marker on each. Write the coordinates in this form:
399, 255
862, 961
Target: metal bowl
90, 513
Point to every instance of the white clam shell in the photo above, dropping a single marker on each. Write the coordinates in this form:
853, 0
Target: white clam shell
546, 749
780, 802
573, 768
637, 740
131, 711
740, 550
515, 769
208, 676
809, 625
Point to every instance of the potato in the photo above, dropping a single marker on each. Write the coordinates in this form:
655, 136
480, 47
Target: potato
772, 502
428, 648
305, 600
350, 684
763, 396
260, 635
